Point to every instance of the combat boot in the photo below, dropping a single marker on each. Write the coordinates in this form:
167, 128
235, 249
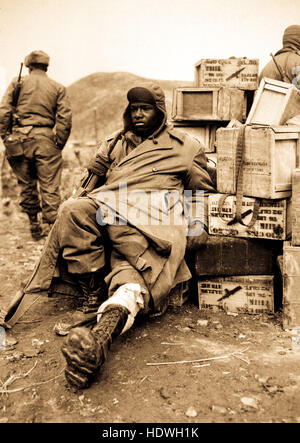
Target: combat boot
35, 227
93, 289
86, 350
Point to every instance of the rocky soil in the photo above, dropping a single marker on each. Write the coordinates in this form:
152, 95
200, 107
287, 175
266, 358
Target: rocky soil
188, 366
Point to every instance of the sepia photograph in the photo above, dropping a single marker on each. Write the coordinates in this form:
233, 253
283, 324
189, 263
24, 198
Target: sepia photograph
149, 226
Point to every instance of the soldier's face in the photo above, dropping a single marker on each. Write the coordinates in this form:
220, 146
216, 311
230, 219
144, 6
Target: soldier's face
143, 117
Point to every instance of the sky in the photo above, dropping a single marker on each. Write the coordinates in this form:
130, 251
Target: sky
158, 39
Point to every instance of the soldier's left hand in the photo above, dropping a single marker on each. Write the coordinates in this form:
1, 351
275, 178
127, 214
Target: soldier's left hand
197, 236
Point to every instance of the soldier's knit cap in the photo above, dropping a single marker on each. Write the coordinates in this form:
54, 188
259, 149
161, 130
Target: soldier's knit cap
140, 94
146, 92
37, 57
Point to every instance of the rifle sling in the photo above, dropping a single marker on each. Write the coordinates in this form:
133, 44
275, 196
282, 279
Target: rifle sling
239, 183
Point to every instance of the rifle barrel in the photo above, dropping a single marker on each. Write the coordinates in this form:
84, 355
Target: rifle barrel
21, 67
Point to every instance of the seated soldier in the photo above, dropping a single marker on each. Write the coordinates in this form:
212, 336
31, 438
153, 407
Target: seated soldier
132, 213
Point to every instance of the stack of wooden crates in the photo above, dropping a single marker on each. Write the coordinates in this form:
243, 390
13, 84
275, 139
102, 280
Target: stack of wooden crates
291, 262
221, 93
255, 166
237, 268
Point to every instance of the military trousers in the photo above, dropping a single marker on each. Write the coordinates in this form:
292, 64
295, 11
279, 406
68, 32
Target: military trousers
38, 173
86, 246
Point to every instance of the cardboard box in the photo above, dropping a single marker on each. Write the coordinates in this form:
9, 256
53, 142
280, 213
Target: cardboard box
273, 221
223, 104
270, 156
274, 103
224, 256
232, 72
253, 294
296, 207
204, 132
291, 286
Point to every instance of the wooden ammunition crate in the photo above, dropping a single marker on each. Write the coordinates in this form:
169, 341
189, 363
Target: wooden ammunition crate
204, 132
291, 286
223, 256
270, 156
274, 103
273, 221
223, 104
179, 295
252, 294
232, 72
296, 207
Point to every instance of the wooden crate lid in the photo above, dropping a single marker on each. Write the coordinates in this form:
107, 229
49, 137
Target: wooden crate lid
278, 129
275, 128
194, 89
225, 60
280, 84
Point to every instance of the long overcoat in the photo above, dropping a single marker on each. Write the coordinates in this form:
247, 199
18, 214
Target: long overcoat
145, 206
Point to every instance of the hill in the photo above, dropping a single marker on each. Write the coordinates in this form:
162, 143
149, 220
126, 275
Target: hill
98, 101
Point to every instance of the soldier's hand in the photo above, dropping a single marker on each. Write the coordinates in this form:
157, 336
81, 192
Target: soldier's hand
197, 236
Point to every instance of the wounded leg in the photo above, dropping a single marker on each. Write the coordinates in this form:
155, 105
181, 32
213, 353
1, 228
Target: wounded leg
86, 350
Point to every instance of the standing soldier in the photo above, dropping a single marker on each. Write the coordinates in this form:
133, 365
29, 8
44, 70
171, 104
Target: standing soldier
35, 123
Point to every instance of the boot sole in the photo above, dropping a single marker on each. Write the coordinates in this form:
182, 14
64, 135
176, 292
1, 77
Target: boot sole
83, 356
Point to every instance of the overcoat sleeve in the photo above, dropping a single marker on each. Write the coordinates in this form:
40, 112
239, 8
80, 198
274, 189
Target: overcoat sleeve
6, 109
100, 164
198, 184
63, 118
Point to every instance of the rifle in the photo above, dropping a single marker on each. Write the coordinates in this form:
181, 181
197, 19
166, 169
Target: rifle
88, 184
282, 73
15, 98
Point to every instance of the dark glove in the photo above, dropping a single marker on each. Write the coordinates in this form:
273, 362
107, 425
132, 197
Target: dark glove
87, 183
98, 166
197, 236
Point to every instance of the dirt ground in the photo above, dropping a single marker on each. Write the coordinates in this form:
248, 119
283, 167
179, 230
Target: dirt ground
188, 366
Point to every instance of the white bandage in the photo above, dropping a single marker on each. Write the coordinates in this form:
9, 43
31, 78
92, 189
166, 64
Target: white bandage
130, 297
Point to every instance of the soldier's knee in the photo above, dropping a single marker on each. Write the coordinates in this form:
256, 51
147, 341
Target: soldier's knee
65, 208
75, 207
69, 207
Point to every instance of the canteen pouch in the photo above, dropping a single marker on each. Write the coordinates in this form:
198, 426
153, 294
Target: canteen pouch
13, 145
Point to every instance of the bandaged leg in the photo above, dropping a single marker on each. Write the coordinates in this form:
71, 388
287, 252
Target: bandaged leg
86, 350
128, 296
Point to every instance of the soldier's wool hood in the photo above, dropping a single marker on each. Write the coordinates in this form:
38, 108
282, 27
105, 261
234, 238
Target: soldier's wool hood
290, 39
